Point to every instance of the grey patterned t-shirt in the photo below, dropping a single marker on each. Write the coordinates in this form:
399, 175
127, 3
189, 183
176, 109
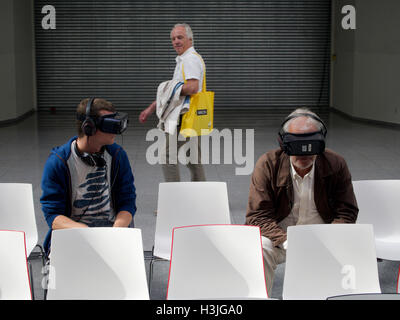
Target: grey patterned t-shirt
90, 191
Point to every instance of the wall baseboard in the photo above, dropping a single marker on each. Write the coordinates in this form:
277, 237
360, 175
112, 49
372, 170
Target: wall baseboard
8, 122
368, 121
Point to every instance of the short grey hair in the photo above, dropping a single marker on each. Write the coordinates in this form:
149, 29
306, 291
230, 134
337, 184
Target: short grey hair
310, 120
188, 30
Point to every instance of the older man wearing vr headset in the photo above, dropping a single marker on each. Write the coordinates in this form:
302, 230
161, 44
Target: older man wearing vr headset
299, 183
88, 181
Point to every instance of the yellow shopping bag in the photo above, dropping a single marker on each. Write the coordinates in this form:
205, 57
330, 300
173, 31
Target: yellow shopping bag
199, 120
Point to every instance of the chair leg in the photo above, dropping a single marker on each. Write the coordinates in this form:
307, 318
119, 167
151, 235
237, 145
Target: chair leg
150, 274
40, 254
31, 280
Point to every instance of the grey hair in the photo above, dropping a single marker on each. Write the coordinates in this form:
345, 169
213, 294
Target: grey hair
188, 30
310, 120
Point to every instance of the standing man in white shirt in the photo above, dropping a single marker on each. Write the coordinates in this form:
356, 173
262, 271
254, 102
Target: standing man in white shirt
300, 183
189, 63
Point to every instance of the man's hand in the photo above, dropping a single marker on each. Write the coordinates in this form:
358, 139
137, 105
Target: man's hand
147, 112
123, 219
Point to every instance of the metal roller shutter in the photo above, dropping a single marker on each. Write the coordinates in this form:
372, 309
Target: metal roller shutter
266, 54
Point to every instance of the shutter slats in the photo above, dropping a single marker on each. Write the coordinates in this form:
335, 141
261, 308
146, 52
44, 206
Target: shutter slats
260, 54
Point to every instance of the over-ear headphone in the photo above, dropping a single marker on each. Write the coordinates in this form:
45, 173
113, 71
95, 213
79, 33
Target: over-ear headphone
89, 124
94, 159
304, 143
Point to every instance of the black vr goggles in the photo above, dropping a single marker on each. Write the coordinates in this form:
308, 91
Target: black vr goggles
115, 123
304, 144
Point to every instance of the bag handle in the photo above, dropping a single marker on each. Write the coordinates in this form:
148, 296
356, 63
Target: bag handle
203, 89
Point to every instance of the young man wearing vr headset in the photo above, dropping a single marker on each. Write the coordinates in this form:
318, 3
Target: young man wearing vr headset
88, 181
299, 183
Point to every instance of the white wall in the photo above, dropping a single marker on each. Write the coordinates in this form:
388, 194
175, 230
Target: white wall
366, 73
16, 59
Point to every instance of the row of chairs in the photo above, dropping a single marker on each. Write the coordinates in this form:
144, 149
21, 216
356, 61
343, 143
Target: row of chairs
207, 262
208, 203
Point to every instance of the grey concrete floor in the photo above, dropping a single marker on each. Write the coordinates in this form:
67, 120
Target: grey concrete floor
371, 151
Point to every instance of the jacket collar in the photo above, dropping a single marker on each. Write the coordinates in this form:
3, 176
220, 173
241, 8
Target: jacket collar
64, 151
322, 169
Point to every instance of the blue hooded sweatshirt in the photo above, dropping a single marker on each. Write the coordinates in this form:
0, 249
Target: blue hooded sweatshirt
56, 184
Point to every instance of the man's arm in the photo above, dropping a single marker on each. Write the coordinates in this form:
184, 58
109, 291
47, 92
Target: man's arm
148, 111
346, 208
124, 191
63, 222
190, 87
261, 207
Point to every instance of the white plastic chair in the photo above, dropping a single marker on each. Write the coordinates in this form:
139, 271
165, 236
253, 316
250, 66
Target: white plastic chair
216, 262
378, 205
187, 203
97, 264
14, 275
329, 260
17, 211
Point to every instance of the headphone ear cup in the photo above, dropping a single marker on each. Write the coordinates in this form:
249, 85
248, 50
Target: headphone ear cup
88, 127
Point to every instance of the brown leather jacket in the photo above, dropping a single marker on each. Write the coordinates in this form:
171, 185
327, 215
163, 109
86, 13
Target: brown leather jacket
271, 192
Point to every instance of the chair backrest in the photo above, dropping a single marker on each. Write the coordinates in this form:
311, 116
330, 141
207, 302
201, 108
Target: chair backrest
377, 202
216, 262
17, 211
188, 203
97, 264
14, 274
329, 260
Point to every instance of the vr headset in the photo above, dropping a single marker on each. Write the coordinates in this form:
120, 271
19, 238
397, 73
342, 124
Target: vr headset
115, 123
302, 144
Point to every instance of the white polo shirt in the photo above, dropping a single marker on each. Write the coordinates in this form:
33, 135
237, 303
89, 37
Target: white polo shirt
193, 67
